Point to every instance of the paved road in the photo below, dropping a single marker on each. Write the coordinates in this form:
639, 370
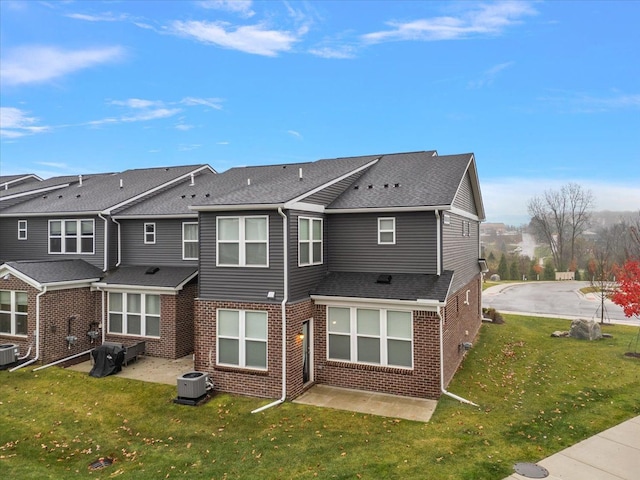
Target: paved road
562, 299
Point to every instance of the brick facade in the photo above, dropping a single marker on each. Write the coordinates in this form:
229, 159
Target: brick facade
15, 284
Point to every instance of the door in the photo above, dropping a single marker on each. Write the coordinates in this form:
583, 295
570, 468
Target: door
306, 351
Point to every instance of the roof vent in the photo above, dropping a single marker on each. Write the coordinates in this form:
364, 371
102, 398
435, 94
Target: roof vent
248, 181
151, 270
121, 183
386, 185
193, 180
79, 180
193, 195
386, 279
369, 187
356, 187
300, 173
396, 185
207, 195
59, 196
78, 196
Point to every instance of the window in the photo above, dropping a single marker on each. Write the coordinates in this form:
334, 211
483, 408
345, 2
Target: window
379, 337
134, 314
190, 241
22, 229
149, 233
71, 236
386, 231
13, 312
242, 338
242, 241
309, 241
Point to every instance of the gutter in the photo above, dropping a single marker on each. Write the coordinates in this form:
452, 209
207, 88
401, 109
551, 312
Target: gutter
37, 333
442, 389
283, 307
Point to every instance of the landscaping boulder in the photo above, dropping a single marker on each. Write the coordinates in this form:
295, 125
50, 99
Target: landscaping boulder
585, 330
495, 277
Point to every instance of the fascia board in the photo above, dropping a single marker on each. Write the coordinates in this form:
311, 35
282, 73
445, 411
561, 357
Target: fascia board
305, 207
334, 181
49, 214
465, 214
155, 217
235, 208
4, 185
420, 304
475, 186
181, 285
417, 208
179, 179
117, 287
70, 284
33, 192
4, 269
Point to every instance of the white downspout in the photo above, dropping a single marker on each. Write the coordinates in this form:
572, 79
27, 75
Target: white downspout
37, 332
106, 244
102, 310
442, 389
438, 244
283, 307
119, 243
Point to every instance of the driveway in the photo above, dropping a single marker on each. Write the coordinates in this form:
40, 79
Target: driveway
557, 299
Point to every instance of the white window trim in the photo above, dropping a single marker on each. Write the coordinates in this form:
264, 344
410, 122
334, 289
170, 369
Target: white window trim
22, 229
353, 337
152, 239
185, 241
381, 230
242, 243
242, 340
143, 314
13, 314
310, 241
78, 236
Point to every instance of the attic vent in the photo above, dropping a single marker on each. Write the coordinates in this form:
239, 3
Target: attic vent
78, 196
183, 196
356, 187
207, 195
59, 196
386, 279
193, 195
386, 185
152, 270
396, 185
369, 187
45, 197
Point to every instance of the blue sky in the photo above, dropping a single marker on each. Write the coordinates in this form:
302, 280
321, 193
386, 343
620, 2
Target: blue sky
544, 93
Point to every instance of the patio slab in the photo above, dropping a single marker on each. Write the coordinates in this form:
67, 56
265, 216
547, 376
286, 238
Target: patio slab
394, 406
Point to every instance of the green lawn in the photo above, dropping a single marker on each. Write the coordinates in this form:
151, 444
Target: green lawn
537, 394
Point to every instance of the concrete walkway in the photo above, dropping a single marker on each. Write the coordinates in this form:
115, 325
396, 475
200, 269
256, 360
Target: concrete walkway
395, 406
611, 455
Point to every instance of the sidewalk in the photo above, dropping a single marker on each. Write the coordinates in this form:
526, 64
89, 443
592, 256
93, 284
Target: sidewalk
611, 455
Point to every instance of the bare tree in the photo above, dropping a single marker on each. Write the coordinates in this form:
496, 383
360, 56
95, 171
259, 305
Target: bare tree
560, 217
602, 266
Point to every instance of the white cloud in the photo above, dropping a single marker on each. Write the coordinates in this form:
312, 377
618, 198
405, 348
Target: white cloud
103, 17
340, 52
506, 199
241, 7
59, 165
293, 133
255, 39
137, 103
486, 19
207, 102
188, 148
36, 64
579, 102
17, 123
489, 75
154, 114
183, 127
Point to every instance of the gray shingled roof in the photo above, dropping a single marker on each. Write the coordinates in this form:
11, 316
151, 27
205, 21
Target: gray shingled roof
170, 277
49, 183
100, 192
273, 184
8, 181
406, 180
53, 271
403, 286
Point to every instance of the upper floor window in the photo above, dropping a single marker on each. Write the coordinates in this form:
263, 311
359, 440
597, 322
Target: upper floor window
13, 312
362, 335
309, 241
242, 338
242, 241
22, 229
134, 314
189, 240
386, 231
149, 233
71, 236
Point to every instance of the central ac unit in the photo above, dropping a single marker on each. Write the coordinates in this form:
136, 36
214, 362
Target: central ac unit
192, 385
8, 353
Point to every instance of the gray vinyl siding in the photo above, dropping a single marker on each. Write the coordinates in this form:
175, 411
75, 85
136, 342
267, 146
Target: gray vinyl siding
36, 246
329, 194
352, 243
460, 253
166, 251
464, 198
303, 279
240, 283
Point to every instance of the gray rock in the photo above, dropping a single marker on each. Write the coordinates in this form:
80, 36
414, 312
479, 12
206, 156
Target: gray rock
585, 330
495, 277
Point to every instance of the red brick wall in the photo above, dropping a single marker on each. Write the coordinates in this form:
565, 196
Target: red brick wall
176, 326
422, 381
297, 313
17, 285
238, 380
461, 324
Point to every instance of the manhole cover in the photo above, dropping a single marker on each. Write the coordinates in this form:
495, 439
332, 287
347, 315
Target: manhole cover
101, 463
531, 470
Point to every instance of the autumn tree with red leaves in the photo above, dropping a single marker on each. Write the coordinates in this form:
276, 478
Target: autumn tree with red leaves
627, 294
